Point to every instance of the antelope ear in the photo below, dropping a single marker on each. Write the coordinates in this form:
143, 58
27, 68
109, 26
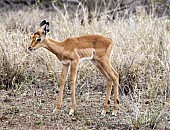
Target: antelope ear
47, 27
43, 23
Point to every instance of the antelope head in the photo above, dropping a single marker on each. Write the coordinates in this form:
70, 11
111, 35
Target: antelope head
39, 38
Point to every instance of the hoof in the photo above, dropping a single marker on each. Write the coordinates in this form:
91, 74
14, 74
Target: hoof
103, 113
55, 110
71, 113
114, 113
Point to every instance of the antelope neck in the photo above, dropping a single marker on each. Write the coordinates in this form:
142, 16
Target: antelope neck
54, 46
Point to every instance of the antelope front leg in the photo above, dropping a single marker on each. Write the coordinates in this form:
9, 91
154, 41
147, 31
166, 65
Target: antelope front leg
73, 73
62, 81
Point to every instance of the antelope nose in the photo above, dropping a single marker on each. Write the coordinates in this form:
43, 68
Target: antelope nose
29, 48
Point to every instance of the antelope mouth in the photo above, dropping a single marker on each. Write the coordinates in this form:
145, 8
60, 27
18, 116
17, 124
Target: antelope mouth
30, 48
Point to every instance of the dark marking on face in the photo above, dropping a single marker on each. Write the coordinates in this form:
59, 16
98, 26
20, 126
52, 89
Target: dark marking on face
38, 40
36, 33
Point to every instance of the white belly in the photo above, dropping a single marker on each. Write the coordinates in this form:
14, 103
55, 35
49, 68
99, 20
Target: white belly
86, 59
86, 54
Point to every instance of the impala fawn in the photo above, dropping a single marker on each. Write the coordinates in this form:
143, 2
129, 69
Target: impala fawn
70, 52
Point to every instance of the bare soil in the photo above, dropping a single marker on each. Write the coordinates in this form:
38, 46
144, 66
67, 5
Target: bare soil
31, 108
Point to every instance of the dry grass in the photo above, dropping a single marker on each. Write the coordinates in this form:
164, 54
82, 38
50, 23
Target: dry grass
141, 56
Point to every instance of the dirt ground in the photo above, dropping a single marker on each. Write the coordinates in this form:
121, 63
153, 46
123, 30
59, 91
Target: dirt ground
30, 108
33, 110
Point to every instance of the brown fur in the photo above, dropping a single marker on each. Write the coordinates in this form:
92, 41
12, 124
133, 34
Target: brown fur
70, 51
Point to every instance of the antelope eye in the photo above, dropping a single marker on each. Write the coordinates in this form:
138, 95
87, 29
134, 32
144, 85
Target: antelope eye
38, 40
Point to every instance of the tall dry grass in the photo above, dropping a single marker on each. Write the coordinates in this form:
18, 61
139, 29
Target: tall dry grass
140, 55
